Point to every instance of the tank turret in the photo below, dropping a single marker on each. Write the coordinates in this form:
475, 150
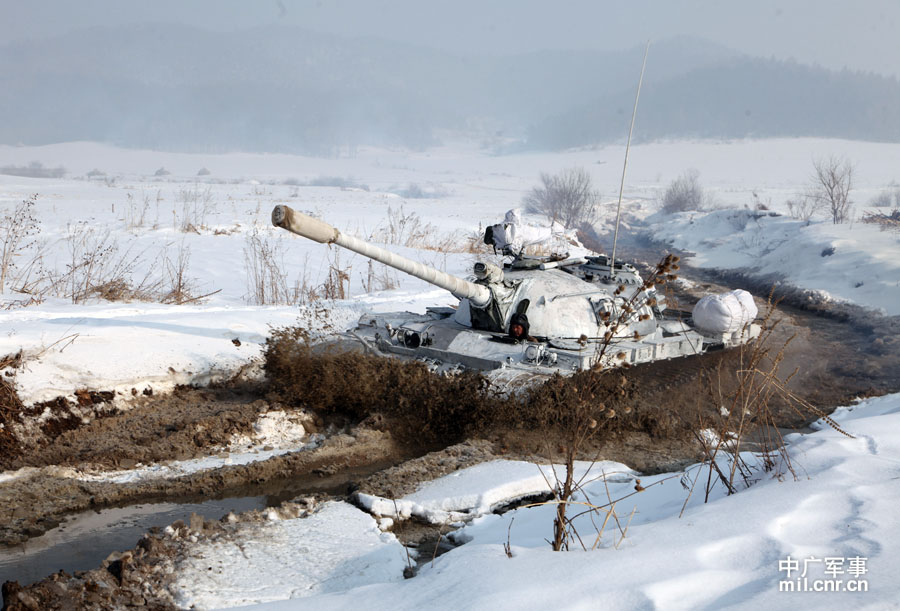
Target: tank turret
546, 301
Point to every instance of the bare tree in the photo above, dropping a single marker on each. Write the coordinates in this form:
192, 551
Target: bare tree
684, 193
803, 207
830, 187
568, 197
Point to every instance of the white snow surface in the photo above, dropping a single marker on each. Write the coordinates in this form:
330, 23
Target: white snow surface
853, 262
478, 490
722, 554
332, 549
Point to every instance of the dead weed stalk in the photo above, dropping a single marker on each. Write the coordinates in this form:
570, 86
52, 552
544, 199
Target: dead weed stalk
740, 438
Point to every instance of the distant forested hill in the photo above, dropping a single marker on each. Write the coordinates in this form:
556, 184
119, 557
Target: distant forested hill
288, 89
739, 98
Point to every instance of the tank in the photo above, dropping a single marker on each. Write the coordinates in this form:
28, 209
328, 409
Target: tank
535, 316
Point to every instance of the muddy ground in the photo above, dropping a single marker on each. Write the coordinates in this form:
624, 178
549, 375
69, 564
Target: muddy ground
841, 352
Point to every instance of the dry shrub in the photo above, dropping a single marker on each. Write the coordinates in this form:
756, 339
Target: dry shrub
423, 406
568, 198
889, 221
337, 284
408, 229
426, 407
740, 410
19, 229
379, 278
267, 282
684, 194
197, 204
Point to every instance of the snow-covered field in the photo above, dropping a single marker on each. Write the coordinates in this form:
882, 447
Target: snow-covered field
725, 553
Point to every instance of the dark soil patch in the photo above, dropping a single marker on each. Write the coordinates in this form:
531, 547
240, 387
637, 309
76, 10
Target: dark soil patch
136, 579
175, 426
10, 407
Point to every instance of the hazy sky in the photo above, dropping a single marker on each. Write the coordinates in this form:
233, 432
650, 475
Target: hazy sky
864, 34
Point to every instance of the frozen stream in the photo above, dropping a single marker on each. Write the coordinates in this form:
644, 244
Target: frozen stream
84, 540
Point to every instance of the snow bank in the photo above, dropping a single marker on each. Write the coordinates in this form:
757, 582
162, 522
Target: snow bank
726, 553
478, 490
853, 262
122, 347
333, 549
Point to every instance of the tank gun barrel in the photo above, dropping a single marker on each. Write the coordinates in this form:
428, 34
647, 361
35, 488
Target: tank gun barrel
319, 231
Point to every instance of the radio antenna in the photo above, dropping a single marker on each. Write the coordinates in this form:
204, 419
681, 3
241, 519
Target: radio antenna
612, 261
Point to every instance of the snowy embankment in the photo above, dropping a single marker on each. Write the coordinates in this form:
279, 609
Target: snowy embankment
733, 551
854, 262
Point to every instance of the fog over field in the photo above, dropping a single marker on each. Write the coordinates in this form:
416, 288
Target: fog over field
325, 78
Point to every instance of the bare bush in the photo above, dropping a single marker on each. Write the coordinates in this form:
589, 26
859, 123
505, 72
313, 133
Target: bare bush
803, 208
408, 229
267, 280
740, 438
568, 198
887, 221
96, 267
35, 169
830, 187
337, 285
267, 283
18, 231
177, 286
684, 193
136, 212
382, 278
888, 198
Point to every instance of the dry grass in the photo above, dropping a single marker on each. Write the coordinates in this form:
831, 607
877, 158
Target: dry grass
736, 425
96, 265
197, 203
407, 229
19, 253
887, 221
269, 284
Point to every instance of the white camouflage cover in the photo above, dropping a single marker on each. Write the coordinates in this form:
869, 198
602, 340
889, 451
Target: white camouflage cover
725, 313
